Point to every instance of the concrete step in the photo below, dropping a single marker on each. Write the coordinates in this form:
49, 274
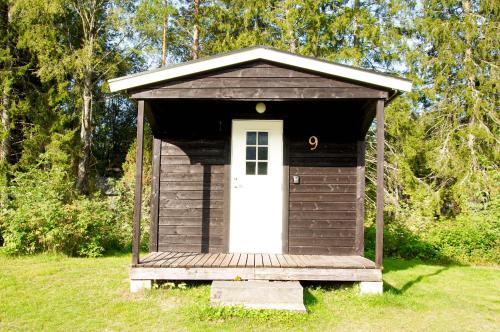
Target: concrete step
253, 294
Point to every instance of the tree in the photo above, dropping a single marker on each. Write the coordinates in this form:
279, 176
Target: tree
152, 21
77, 44
458, 65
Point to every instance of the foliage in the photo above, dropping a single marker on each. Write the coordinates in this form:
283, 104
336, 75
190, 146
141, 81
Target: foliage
469, 238
45, 213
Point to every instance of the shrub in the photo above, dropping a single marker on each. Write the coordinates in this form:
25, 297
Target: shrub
468, 238
472, 237
44, 213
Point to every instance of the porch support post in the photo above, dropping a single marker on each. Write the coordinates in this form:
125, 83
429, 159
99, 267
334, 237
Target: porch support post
155, 194
360, 198
379, 235
138, 183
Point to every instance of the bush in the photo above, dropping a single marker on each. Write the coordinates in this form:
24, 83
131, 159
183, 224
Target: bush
468, 238
472, 237
44, 213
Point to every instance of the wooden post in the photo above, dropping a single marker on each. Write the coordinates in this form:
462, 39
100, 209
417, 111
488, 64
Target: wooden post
138, 183
155, 194
379, 235
360, 198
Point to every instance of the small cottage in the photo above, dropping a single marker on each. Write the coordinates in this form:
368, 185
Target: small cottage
259, 168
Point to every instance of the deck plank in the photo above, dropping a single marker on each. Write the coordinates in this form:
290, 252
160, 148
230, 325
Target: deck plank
226, 260
291, 262
266, 260
238, 260
211, 260
195, 260
151, 258
198, 262
179, 257
274, 260
218, 260
159, 259
258, 260
182, 263
234, 260
242, 262
302, 259
251, 260
283, 262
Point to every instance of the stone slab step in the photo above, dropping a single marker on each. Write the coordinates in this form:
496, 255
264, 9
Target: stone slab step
253, 294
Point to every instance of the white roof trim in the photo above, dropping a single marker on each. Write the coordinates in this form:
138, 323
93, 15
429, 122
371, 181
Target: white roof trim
259, 53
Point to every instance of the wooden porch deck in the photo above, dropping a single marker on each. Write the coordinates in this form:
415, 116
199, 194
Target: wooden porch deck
221, 266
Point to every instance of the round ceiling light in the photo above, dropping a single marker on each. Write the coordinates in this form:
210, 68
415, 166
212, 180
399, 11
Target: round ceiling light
260, 108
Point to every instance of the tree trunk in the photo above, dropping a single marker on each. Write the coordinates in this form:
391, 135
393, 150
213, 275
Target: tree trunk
164, 37
291, 37
471, 83
5, 142
85, 134
196, 32
355, 30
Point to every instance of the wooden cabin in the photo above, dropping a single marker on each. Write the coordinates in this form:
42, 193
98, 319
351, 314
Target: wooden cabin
258, 167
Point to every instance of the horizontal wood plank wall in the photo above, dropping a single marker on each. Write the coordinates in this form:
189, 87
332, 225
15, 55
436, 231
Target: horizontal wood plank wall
191, 195
322, 216
259, 80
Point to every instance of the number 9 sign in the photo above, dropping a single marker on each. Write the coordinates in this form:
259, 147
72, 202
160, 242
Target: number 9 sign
313, 142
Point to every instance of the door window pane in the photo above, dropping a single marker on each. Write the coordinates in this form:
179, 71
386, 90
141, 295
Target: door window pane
262, 168
262, 138
250, 167
256, 150
251, 152
251, 138
262, 153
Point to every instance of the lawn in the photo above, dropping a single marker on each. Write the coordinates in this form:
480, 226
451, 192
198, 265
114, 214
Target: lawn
57, 293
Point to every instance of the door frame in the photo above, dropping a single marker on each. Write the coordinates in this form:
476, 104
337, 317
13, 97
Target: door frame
227, 178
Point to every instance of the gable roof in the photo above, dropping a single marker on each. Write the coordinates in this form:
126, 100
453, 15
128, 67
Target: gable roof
259, 53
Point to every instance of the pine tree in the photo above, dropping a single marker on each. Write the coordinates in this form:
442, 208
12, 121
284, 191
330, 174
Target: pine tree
458, 65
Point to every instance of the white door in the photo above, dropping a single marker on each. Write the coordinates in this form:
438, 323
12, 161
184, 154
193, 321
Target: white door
256, 210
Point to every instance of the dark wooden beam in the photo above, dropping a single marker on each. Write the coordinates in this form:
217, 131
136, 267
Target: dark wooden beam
149, 114
138, 183
360, 198
379, 237
227, 186
368, 111
286, 195
262, 93
155, 195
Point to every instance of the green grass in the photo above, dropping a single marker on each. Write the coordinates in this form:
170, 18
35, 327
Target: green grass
57, 293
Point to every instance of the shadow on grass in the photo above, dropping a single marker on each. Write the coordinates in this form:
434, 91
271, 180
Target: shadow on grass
390, 288
310, 300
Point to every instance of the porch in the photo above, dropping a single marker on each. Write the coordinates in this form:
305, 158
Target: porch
228, 266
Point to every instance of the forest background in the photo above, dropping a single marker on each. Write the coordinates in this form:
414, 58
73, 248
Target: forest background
67, 143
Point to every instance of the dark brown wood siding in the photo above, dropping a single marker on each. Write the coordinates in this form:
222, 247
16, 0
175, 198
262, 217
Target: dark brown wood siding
191, 195
322, 208
261, 81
